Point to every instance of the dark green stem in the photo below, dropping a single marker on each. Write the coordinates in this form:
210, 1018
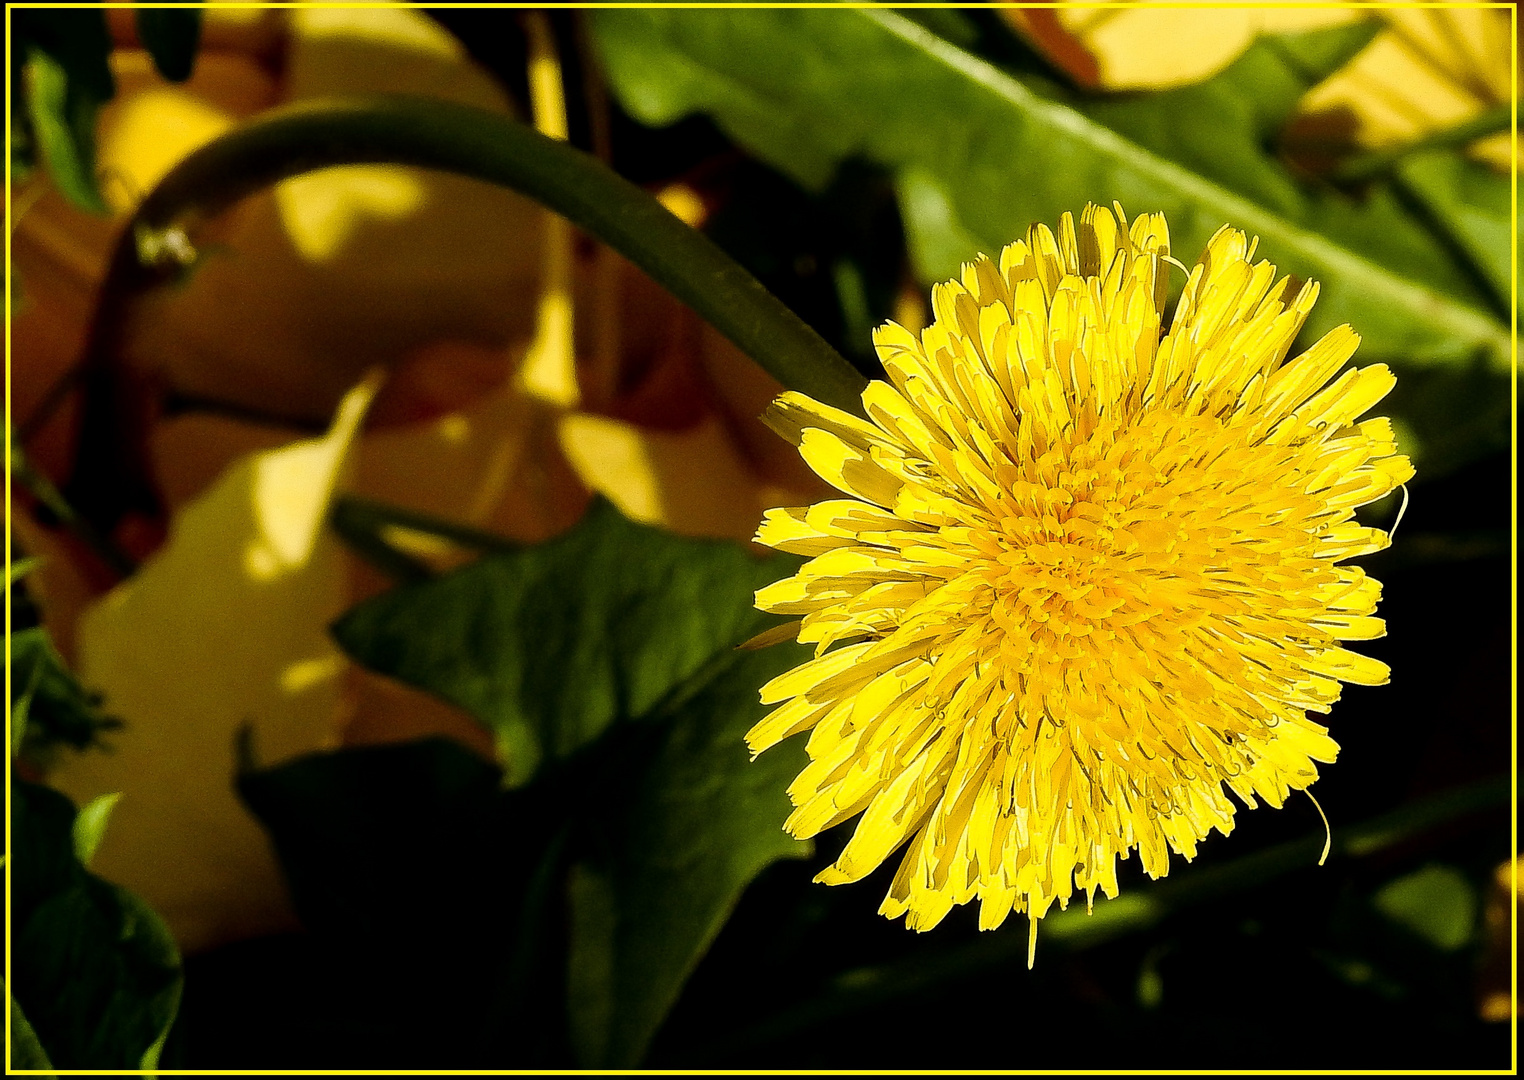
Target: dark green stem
486, 146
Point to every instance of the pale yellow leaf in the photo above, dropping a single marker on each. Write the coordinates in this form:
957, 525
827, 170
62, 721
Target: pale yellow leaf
224, 627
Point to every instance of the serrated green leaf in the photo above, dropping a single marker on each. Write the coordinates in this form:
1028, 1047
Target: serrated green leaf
93, 968
1437, 903
549, 646
807, 89
68, 78
701, 822
171, 36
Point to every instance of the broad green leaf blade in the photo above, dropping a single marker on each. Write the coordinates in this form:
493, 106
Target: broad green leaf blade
26, 1051
93, 968
699, 823
69, 80
171, 36
549, 646
806, 89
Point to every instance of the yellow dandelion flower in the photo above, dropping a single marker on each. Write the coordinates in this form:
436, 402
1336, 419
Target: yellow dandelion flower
1088, 574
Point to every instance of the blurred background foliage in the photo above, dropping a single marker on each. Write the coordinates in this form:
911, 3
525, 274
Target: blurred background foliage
501, 815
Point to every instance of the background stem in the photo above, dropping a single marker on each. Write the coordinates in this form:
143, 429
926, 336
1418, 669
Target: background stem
472, 142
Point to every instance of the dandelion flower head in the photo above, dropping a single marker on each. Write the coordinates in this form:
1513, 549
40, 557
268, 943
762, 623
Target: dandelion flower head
1087, 577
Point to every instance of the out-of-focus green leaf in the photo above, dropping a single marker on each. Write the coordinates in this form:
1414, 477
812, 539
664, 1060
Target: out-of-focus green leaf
1437, 903
550, 645
56, 709
26, 1051
1473, 205
171, 36
94, 970
807, 89
1234, 121
699, 823
66, 81
90, 825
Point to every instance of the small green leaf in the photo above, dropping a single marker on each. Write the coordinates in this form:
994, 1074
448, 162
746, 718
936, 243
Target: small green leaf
549, 646
90, 825
66, 53
700, 822
171, 36
20, 568
93, 968
55, 708
1437, 903
26, 1051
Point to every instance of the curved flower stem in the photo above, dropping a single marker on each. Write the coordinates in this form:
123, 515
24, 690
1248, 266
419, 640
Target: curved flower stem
472, 142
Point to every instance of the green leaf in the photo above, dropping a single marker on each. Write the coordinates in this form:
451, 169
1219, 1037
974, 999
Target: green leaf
26, 1051
93, 968
609, 653
55, 708
171, 36
69, 79
1235, 120
90, 825
549, 646
701, 821
807, 89
368, 836
1437, 903
1472, 206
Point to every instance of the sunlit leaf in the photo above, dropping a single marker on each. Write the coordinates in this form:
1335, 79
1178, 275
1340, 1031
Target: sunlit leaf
222, 628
